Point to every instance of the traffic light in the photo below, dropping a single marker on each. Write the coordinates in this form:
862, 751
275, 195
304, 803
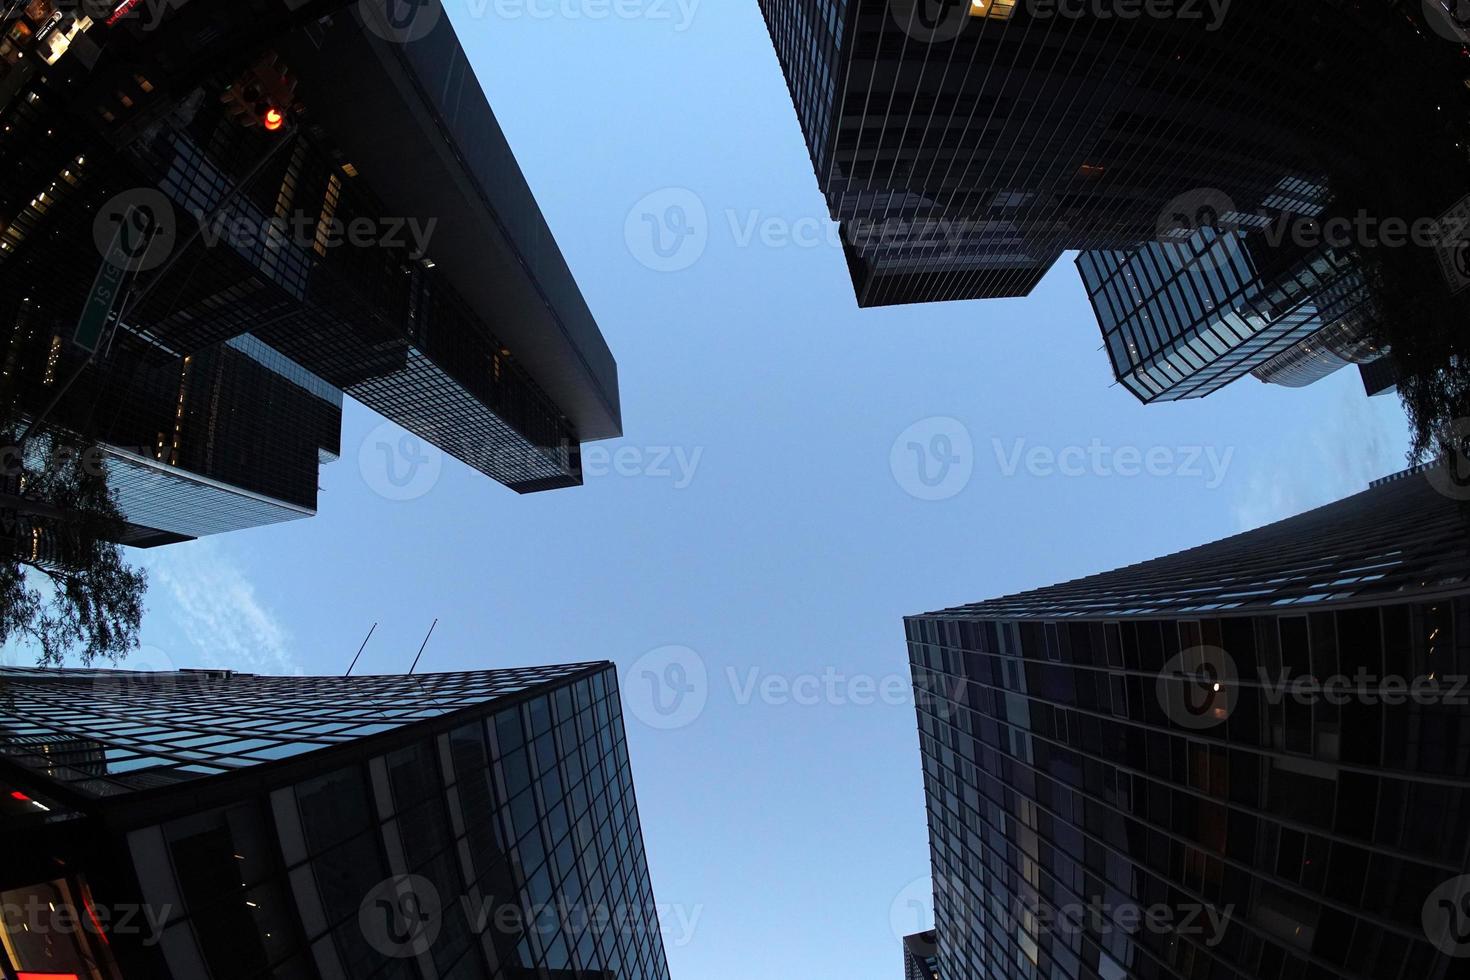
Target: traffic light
262, 96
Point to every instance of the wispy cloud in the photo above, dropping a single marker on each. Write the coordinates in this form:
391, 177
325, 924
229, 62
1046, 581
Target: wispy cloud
216, 610
1329, 457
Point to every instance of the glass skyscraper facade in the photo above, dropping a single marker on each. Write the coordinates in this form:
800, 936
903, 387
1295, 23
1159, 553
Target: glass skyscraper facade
458, 825
295, 265
1183, 319
920, 961
1326, 352
964, 146
1119, 785
229, 438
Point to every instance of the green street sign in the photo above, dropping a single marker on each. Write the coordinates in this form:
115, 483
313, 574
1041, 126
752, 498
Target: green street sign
92, 325
99, 306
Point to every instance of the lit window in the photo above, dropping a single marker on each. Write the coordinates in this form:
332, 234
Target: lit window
994, 9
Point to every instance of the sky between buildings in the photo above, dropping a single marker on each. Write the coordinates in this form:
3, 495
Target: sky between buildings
796, 476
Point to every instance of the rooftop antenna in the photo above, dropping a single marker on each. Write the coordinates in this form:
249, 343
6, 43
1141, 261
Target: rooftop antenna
359, 650
422, 645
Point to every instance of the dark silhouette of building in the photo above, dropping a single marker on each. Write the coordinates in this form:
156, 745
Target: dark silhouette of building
1118, 785
330, 202
964, 146
1182, 320
1380, 376
229, 438
1324, 353
455, 825
920, 957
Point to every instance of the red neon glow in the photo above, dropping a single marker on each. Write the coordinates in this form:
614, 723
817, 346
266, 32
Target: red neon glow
123, 9
273, 119
92, 914
23, 975
18, 795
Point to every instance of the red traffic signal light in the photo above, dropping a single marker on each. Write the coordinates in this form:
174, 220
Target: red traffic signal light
262, 96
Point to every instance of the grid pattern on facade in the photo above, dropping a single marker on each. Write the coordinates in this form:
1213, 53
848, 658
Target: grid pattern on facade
176, 725
271, 263
504, 799
1028, 135
1401, 538
158, 497
920, 957
1182, 320
1058, 778
1348, 341
808, 36
521, 822
217, 441
1055, 778
375, 321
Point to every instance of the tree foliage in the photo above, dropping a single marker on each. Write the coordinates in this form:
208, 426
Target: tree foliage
64, 585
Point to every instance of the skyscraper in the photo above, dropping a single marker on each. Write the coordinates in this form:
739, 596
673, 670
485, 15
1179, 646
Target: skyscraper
1183, 319
1324, 353
315, 181
229, 438
1250, 759
919, 959
208, 824
963, 146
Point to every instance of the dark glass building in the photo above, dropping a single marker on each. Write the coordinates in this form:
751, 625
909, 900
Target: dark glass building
226, 439
217, 825
1182, 320
377, 239
963, 146
1324, 353
919, 959
1118, 784
1379, 376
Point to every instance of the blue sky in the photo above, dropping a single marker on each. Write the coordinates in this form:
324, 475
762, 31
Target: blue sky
765, 518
